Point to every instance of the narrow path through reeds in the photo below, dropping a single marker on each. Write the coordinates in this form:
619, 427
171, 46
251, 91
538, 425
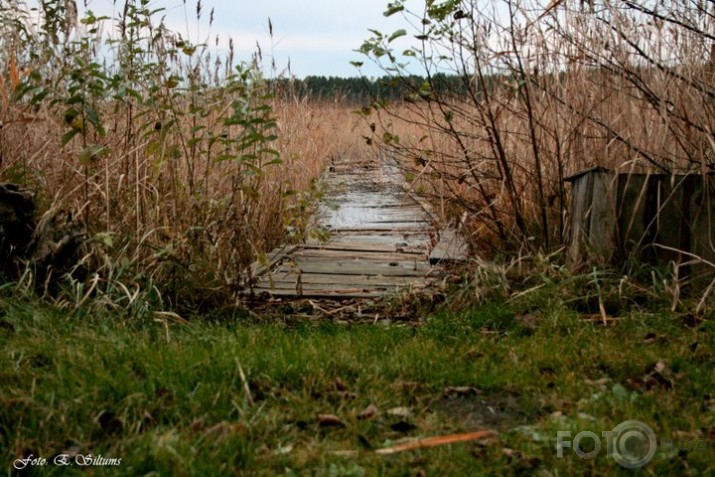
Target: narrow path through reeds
371, 239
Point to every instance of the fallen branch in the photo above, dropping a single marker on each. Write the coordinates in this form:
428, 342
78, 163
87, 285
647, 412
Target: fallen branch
436, 441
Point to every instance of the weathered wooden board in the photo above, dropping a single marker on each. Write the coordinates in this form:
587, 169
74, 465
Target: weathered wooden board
262, 266
450, 248
363, 267
378, 228
333, 295
371, 237
370, 218
341, 287
420, 250
326, 254
659, 219
355, 280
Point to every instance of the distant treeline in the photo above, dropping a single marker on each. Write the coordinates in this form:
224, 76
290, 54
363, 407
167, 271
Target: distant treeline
365, 90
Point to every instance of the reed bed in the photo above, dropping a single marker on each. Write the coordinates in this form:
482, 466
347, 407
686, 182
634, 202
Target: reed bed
181, 167
546, 91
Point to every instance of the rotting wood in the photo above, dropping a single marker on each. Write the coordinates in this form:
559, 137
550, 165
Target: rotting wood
654, 218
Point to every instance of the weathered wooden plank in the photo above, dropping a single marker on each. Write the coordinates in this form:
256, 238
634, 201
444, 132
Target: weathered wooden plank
367, 218
368, 198
410, 262
377, 228
593, 218
328, 254
334, 287
450, 248
602, 233
634, 198
702, 228
357, 268
354, 280
580, 198
334, 295
270, 260
382, 238
421, 250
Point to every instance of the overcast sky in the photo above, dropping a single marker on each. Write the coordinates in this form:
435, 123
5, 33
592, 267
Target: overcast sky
318, 36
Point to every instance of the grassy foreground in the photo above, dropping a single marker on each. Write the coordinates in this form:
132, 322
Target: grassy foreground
245, 398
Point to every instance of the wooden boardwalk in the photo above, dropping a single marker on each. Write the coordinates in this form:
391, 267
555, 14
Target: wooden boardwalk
371, 239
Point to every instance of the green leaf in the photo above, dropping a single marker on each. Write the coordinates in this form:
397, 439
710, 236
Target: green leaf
393, 8
67, 137
75, 99
399, 33
92, 153
92, 116
152, 148
105, 238
70, 115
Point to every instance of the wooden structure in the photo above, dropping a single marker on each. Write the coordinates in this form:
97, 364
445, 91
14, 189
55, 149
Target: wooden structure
653, 218
370, 239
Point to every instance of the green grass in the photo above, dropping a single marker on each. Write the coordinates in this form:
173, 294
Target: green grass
174, 402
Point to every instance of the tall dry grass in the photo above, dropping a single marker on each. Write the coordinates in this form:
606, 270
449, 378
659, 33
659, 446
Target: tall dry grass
548, 90
181, 167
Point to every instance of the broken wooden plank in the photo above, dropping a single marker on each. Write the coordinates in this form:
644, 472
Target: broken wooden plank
450, 248
270, 260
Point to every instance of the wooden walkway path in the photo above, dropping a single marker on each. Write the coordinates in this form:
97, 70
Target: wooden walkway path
374, 240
